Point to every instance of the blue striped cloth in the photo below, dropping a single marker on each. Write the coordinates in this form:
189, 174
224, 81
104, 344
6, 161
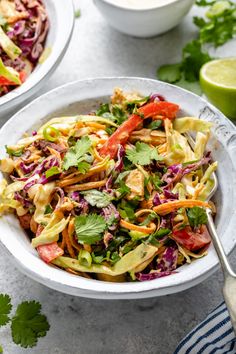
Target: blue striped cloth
213, 336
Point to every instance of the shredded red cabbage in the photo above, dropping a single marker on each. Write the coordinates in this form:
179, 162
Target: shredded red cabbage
153, 275
168, 260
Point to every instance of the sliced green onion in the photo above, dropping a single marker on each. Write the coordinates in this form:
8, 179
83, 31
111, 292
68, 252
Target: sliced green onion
50, 133
85, 258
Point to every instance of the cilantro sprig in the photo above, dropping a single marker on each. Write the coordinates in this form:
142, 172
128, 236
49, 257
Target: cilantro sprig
142, 154
27, 324
77, 155
197, 216
89, 228
215, 28
97, 198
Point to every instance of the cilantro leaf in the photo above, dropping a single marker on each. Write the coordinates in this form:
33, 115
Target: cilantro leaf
123, 189
52, 171
83, 167
12, 152
48, 209
89, 228
5, 308
142, 154
97, 198
77, 153
104, 108
28, 324
119, 114
197, 216
169, 73
155, 124
205, 2
126, 210
149, 218
190, 86
193, 58
153, 238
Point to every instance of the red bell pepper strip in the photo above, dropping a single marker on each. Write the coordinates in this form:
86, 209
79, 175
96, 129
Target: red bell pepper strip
6, 82
191, 240
50, 251
121, 135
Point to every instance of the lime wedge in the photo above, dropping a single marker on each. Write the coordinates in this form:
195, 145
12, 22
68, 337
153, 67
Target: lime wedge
218, 82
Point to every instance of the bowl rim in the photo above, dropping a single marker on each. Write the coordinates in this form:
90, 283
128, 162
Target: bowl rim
63, 34
69, 283
150, 8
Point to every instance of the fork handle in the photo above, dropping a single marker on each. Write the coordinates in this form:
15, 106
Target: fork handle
229, 289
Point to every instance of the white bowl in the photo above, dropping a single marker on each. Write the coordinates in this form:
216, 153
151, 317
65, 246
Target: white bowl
81, 97
61, 17
157, 17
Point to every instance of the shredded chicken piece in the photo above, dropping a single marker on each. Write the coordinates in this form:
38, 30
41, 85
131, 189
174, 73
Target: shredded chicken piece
154, 137
119, 97
9, 12
135, 181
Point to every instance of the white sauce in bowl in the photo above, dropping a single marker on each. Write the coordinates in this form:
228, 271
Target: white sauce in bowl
139, 4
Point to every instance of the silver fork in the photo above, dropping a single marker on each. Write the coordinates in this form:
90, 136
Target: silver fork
229, 288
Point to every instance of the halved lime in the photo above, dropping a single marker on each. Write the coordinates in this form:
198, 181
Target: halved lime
218, 82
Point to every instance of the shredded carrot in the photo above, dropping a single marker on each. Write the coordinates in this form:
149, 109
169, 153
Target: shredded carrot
77, 176
167, 208
68, 243
102, 141
198, 191
54, 152
87, 248
162, 148
95, 125
143, 211
71, 229
96, 154
86, 186
144, 229
79, 125
63, 242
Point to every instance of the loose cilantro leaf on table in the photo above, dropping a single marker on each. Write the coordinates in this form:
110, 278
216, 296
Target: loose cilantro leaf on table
28, 324
89, 228
142, 154
216, 28
77, 13
5, 309
196, 216
77, 154
97, 198
170, 72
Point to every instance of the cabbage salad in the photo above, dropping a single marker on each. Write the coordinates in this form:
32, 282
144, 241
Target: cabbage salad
117, 194
23, 29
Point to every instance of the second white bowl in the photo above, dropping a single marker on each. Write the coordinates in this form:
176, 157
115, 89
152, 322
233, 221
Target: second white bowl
155, 18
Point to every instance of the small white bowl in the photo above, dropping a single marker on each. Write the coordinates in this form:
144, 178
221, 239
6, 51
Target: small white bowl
155, 18
82, 97
61, 17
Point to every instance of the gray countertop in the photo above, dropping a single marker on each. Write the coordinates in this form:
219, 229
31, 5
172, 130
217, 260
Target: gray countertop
84, 326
